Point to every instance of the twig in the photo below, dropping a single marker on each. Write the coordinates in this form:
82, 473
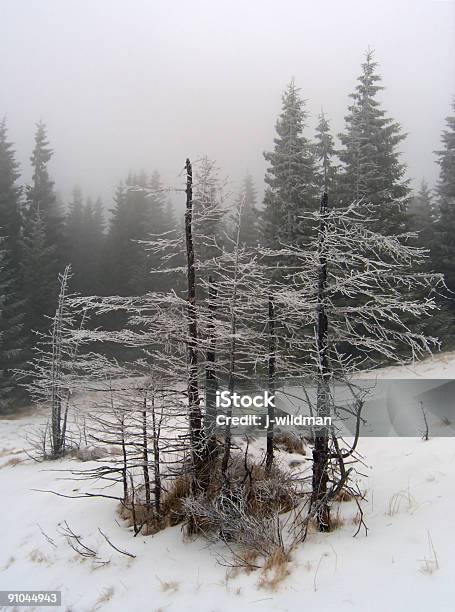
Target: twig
123, 552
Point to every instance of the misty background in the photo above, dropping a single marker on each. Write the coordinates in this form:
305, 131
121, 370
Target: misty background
143, 84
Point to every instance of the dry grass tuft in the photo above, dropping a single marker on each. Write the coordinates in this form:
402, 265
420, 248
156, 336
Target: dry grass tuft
172, 506
144, 516
248, 558
168, 586
275, 569
105, 597
8, 564
400, 499
431, 565
290, 443
337, 521
12, 462
355, 520
36, 556
344, 496
252, 497
171, 514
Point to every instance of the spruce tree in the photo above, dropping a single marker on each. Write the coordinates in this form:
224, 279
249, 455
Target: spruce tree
445, 226
75, 237
139, 212
41, 197
10, 198
249, 227
39, 284
94, 234
170, 221
12, 339
422, 219
85, 243
291, 177
43, 242
325, 153
372, 170
12, 335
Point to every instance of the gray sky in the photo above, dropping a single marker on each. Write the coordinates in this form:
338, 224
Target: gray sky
131, 84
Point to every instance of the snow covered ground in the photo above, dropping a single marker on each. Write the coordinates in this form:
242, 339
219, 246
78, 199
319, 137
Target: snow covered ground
405, 563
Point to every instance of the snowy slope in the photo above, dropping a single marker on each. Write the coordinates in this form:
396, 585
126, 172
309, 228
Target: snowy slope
409, 512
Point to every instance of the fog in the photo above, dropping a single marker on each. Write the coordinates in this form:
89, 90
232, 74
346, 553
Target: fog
143, 84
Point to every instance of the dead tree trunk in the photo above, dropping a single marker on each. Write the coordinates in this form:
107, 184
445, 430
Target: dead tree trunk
145, 454
124, 458
198, 453
56, 373
321, 446
271, 384
156, 428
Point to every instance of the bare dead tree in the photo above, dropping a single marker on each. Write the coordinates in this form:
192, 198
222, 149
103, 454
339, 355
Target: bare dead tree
53, 370
198, 442
354, 286
271, 382
321, 445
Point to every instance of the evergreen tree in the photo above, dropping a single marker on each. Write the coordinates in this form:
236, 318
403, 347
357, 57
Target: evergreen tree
39, 284
10, 198
94, 233
325, 152
139, 212
43, 244
421, 214
371, 166
291, 177
12, 339
75, 237
170, 222
85, 236
249, 228
445, 226
41, 197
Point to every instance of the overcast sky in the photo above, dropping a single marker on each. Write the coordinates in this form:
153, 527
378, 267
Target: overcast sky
142, 84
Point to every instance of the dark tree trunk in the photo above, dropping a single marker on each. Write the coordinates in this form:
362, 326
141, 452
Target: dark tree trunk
271, 384
125, 461
321, 446
145, 454
195, 416
156, 457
